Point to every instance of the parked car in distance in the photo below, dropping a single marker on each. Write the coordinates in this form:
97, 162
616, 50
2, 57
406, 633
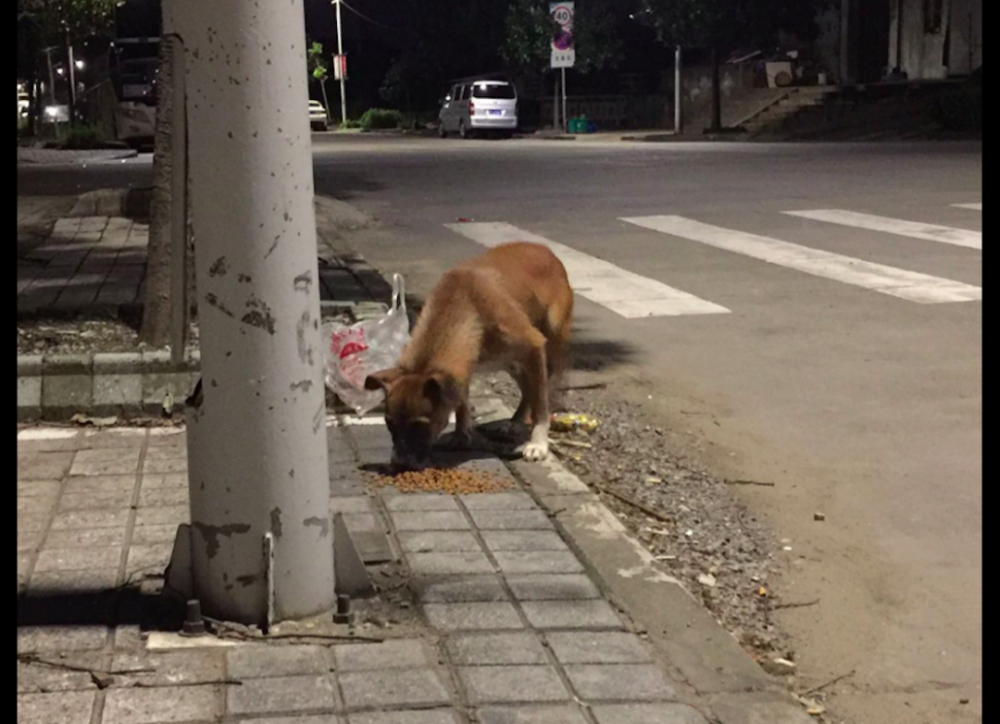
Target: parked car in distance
479, 107
318, 120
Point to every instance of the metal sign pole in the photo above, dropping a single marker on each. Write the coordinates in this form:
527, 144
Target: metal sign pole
563, 53
678, 94
555, 104
340, 62
565, 120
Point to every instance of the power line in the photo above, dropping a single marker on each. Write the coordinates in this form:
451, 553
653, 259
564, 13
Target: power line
371, 20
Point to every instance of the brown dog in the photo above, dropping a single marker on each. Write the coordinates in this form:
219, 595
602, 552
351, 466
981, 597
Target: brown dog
510, 307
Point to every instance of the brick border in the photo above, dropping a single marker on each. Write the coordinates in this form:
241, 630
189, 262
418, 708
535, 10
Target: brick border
46, 156
138, 384
131, 384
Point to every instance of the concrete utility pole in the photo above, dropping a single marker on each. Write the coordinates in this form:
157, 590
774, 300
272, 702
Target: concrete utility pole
261, 535
340, 54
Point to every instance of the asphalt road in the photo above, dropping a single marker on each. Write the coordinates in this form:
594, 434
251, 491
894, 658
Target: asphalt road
854, 386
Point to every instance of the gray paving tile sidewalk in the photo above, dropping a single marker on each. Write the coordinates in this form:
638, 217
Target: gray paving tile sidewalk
86, 262
98, 263
503, 644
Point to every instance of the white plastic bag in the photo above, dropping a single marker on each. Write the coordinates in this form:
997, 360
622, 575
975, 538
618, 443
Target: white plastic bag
357, 351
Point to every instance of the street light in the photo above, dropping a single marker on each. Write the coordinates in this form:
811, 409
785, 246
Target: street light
340, 67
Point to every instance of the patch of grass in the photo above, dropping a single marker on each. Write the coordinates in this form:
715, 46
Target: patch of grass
84, 138
381, 119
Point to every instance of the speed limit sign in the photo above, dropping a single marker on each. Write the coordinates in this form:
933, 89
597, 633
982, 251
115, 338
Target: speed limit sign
563, 52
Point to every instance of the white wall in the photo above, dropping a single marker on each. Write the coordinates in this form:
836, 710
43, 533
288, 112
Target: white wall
921, 54
966, 36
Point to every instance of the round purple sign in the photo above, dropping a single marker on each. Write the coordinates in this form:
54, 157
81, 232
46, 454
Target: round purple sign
563, 15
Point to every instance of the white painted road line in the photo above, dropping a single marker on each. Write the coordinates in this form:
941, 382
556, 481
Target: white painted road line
912, 229
627, 294
908, 285
973, 207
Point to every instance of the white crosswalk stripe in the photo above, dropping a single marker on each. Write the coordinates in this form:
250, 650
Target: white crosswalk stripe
899, 227
900, 283
630, 295
972, 207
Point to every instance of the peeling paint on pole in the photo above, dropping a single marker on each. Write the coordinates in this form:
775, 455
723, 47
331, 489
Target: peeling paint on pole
210, 534
261, 551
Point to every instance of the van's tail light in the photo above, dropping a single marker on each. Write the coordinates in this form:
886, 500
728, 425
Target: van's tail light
472, 108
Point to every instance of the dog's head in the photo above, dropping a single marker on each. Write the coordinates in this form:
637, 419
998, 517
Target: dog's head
417, 409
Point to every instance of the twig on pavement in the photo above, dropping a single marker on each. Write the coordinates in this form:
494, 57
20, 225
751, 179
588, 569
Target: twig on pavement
165, 684
756, 483
831, 682
38, 661
581, 388
635, 504
328, 637
794, 605
572, 443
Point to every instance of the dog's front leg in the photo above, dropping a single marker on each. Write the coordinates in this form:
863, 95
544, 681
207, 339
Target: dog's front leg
464, 438
463, 424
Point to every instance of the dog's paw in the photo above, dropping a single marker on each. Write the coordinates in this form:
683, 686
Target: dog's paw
535, 452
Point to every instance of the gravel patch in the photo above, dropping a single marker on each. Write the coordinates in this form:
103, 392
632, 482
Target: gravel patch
689, 519
76, 336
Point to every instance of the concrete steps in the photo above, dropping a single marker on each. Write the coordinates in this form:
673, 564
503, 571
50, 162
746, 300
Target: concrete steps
799, 102
872, 112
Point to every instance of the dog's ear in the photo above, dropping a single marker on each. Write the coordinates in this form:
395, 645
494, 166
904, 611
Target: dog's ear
382, 380
442, 388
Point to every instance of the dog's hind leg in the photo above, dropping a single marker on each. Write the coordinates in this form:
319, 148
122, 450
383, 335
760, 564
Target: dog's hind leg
557, 348
523, 414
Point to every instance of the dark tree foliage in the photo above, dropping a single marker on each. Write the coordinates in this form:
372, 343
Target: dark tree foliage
599, 29
724, 25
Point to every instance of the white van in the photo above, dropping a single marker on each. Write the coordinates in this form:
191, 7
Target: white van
479, 107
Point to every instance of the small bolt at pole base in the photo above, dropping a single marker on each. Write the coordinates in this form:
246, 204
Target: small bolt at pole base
194, 624
344, 614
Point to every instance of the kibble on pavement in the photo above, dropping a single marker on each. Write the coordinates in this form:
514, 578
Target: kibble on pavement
452, 481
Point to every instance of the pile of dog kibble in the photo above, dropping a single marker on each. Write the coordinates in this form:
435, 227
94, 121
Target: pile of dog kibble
450, 481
